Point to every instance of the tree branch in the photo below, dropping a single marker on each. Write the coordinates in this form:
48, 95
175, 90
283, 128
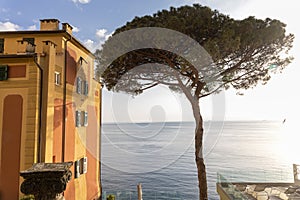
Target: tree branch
146, 88
227, 82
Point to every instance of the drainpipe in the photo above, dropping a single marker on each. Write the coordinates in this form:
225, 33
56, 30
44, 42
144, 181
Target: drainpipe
100, 129
40, 110
64, 103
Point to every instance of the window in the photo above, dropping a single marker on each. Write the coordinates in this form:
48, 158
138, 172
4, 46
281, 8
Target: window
80, 167
30, 48
81, 118
1, 45
83, 165
78, 85
57, 78
29, 40
82, 86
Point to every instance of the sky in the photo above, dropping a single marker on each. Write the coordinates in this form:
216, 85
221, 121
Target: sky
94, 21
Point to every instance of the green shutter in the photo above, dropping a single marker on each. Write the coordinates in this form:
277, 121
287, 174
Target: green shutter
3, 72
1, 45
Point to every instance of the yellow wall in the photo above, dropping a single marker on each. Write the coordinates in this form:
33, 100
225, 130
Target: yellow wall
51, 58
28, 88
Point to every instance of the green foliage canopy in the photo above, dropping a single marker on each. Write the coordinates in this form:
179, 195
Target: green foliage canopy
244, 52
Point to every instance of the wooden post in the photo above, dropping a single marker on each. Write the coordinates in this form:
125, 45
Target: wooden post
140, 192
296, 174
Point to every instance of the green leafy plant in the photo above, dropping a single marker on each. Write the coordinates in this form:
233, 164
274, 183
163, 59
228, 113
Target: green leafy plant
111, 197
27, 197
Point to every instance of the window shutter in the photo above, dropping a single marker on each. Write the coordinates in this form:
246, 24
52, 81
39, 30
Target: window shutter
78, 118
1, 45
77, 168
85, 118
78, 85
3, 72
86, 88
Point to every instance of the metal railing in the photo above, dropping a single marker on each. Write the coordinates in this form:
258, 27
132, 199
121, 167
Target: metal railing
257, 176
231, 191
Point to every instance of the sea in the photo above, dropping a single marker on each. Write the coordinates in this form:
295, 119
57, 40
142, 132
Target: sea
160, 156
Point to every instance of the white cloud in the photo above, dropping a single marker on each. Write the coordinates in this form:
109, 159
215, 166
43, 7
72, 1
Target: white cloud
32, 28
82, 1
75, 29
90, 44
8, 26
93, 45
19, 13
101, 36
101, 33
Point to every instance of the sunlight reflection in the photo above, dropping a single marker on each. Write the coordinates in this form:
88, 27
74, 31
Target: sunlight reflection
289, 142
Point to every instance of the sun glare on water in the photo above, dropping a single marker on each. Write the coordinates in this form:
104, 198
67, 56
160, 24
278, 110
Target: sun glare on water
289, 142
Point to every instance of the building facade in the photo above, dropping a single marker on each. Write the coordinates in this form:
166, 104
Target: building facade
50, 108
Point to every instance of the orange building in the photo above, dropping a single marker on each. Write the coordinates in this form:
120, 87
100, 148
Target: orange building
50, 107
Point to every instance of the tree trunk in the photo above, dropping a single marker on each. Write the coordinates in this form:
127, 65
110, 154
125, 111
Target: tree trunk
202, 182
200, 164
194, 100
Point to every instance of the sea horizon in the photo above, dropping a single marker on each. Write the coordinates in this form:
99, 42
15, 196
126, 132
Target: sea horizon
191, 121
244, 150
